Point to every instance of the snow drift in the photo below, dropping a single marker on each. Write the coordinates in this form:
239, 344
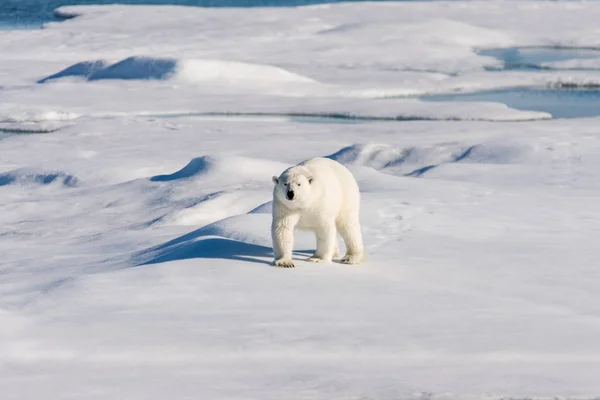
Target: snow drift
30, 176
415, 161
169, 68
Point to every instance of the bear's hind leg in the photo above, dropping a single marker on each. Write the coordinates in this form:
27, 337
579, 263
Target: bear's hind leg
326, 244
336, 248
349, 228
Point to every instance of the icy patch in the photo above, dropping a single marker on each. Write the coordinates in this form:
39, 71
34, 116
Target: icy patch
560, 103
30, 127
356, 110
342, 117
13, 116
27, 177
267, 117
23, 122
539, 58
571, 84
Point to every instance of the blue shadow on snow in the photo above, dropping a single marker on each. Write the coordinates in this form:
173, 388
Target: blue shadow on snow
205, 243
131, 68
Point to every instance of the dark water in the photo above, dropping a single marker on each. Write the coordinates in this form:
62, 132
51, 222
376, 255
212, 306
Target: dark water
32, 13
561, 103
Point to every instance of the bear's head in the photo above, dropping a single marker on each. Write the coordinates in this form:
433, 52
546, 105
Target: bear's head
293, 187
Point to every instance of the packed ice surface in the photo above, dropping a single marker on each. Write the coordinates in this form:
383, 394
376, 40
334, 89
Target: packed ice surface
174, 59
135, 206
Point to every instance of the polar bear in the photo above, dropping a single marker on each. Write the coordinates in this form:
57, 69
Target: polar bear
320, 195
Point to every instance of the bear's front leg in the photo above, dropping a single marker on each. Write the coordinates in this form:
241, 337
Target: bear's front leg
282, 233
326, 243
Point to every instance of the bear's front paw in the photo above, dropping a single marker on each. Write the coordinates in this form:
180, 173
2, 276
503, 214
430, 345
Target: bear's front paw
284, 263
352, 259
317, 259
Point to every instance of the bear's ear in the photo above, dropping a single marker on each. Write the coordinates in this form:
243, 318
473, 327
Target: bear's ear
310, 179
275, 180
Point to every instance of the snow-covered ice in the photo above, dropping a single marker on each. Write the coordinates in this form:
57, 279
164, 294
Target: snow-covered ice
138, 145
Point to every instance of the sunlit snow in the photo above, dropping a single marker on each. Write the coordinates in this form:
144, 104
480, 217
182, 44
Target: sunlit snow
137, 147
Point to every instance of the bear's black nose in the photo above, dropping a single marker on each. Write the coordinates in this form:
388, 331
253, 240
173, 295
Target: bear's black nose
290, 195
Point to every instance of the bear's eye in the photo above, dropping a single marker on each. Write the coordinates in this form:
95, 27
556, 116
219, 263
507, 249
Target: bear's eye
298, 184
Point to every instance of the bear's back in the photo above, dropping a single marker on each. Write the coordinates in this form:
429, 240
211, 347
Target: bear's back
336, 178
319, 165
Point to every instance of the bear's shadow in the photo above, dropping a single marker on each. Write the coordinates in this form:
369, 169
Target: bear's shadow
204, 244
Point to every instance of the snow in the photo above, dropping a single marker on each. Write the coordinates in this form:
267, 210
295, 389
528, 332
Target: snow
135, 206
170, 68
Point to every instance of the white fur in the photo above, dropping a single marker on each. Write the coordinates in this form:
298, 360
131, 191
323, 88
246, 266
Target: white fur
326, 201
